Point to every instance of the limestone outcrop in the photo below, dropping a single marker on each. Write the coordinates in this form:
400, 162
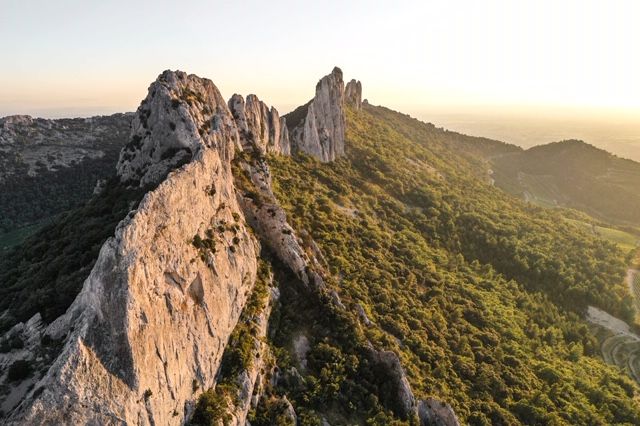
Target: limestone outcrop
353, 94
181, 115
430, 412
259, 126
433, 412
319, 130
150, 325
402, 397
269, 220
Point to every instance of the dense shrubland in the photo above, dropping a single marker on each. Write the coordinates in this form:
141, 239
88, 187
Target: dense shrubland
339, 381
45, 273
480, 294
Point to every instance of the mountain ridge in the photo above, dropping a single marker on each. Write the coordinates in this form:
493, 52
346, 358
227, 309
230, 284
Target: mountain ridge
50, 166
105, 364
398, 286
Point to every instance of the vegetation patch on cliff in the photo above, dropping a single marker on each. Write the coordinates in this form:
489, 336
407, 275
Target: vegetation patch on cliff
215, 405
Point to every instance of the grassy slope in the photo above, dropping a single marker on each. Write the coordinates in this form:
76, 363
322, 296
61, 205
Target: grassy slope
475, 290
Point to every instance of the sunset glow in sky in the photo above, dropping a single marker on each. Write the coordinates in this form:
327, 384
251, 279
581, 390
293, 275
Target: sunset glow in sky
82, 57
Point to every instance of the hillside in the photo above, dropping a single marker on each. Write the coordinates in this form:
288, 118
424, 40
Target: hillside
50, 166
576, 175
345, 264
475, 290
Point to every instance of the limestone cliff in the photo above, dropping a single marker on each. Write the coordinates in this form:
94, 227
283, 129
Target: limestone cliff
353, 94
259, 126
321, 126
181, 115
152, 320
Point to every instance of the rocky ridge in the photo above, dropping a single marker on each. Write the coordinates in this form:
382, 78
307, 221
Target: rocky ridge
153, 318
305, 260
147, 332
31, 145
260, 127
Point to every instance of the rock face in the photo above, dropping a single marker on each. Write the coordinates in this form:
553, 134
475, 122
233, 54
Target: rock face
432, 412
321, 132
151, 322
269, 220
181, 115
259, 126
403, 396
353, 94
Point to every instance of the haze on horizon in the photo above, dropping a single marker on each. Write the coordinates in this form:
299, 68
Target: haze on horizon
453, 63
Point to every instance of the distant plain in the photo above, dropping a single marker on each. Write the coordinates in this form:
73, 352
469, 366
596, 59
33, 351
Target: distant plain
616, 133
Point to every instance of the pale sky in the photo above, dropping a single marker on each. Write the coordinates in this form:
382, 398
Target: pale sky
83, 57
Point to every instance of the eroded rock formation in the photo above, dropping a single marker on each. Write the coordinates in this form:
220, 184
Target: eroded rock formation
153, 318
353, 94
320, 132
259, 126
147, 332
181, 115
433, 412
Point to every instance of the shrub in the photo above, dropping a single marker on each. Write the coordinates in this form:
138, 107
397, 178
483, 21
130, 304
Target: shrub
19, 370
212, 407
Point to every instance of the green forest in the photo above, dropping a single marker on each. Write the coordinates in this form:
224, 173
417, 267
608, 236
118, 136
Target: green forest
480, 294
45, 273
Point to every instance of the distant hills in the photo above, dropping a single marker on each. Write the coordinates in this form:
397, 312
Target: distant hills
572, 174
50, 166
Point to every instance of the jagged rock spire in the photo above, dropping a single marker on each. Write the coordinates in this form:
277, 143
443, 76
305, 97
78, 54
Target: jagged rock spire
320, 132
353, 94
180, 115
259, 127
